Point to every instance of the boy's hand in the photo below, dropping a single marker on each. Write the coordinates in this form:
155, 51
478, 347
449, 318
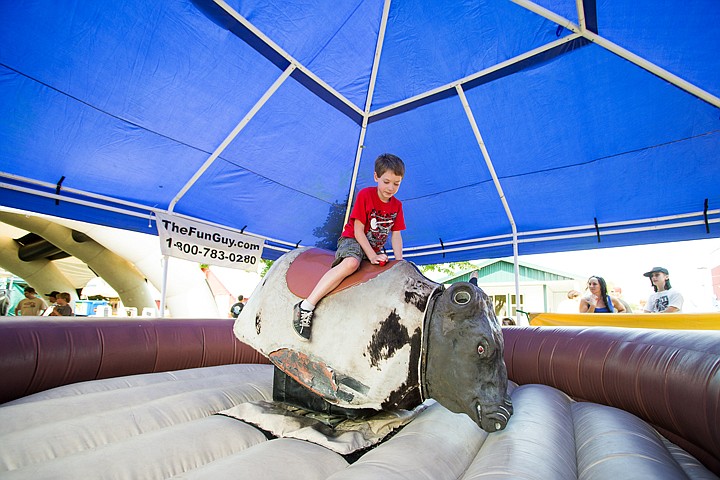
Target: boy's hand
379, 259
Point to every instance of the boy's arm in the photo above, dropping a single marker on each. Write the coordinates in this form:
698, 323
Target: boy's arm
365, 244
397, 245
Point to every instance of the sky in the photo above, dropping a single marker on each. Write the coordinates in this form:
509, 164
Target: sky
689, 264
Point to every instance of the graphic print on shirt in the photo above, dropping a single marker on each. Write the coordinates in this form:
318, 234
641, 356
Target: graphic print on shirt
661, 303
380, 225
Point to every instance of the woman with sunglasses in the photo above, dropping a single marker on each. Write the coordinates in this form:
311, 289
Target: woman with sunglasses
598, 300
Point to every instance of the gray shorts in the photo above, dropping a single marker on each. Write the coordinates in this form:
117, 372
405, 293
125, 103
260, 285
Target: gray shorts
348, 247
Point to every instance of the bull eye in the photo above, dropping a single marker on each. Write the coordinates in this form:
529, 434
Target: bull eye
462, 298
481, 350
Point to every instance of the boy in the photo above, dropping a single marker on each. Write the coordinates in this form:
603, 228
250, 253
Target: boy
374, 216
665, 299
63, 308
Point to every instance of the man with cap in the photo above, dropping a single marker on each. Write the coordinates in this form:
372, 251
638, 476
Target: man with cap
31, 305
52, 298
665, 299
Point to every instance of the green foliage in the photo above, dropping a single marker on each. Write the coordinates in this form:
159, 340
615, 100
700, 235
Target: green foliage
447, 268
268, 264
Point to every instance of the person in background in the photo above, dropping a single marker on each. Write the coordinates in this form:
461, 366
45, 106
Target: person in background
617, 293
598, 300
52, 299
4, 302
571, 304
31, 305
508, 321
63, 308
665, 299
474, 280
237, 307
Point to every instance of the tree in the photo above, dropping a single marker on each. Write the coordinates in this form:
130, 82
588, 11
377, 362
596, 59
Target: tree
268, 264
446, 268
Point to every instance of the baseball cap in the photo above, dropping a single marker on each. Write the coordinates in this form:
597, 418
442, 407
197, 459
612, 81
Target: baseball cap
656, 269
29, 290
54, 293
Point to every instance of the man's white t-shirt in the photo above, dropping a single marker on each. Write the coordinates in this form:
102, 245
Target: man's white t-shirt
659, 301
30, 307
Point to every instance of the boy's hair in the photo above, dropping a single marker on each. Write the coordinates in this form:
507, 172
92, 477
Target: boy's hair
667, 285
388, 161
65, 296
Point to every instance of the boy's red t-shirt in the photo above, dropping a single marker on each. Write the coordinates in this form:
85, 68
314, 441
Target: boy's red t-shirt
379, 218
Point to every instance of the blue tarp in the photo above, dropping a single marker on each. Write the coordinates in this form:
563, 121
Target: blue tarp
572, 127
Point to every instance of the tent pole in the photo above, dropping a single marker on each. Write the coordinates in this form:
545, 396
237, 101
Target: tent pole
164, 262
482, 73
501, 194
468, 245
581, 14
516, 270
621, 52
358, 154
238, 128
368, 104
548, 235
289, 58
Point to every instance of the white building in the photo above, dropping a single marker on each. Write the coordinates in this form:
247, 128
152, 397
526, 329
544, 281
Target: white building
541, 289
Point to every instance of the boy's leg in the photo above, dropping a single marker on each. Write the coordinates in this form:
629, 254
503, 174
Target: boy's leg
332, 279
302, 319
347, 260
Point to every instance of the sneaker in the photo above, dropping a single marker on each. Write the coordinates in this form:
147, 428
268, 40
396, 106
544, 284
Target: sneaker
302, 321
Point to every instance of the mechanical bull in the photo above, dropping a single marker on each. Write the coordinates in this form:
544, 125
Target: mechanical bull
386, 338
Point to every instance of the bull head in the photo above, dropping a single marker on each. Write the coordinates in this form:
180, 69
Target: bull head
464, 369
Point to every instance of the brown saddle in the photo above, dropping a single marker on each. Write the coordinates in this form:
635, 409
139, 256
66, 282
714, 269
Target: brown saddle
308, 267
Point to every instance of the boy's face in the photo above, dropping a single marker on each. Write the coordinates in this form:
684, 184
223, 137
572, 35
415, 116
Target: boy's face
388, 184
658, 279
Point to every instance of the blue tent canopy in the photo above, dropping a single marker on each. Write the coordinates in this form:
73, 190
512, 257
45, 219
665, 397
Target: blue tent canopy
554, 125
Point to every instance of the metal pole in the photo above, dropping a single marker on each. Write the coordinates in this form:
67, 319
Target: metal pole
165, 262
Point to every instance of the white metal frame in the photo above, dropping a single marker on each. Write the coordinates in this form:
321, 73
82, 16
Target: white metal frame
115, 205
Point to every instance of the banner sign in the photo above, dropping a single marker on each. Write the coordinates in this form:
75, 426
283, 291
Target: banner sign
203, 243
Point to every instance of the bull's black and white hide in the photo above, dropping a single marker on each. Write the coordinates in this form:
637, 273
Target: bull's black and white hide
387, 338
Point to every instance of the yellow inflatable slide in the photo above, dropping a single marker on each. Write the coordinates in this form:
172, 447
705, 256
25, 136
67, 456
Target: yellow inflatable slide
672, 321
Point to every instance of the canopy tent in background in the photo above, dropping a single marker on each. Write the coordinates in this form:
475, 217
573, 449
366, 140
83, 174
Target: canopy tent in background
560, 124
